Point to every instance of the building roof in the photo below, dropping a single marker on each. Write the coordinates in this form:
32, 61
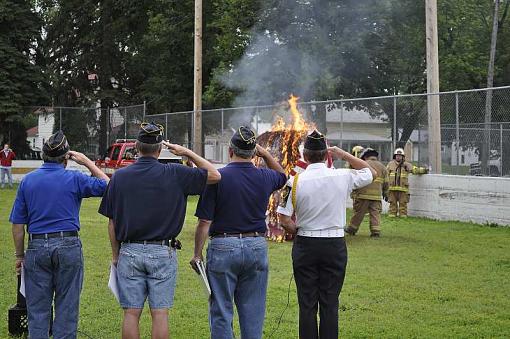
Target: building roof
354, 116
356, 136
32, 132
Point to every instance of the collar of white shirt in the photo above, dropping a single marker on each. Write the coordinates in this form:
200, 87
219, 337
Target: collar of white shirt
317, 165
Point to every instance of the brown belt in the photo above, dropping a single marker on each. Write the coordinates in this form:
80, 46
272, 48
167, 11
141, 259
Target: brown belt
237, 235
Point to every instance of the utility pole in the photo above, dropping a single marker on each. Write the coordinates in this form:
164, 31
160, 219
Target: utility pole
488, 95
434, 115
197, 92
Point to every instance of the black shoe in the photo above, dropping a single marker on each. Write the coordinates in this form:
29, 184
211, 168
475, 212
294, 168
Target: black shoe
375, 235
350, 230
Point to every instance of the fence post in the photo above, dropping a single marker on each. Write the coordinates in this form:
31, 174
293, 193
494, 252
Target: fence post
60, 117
222, 121
108, 122
166, 126
501, 149
394, 123
257, 120
144, 110
457, 131
342, 125
125, 123
419, 144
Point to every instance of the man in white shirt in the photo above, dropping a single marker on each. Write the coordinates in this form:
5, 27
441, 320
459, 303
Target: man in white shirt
317, 197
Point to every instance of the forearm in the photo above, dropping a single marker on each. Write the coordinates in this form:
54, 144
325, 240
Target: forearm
272, 163
113, 240
95, 171
213, 176
287, 223
18, 235
201, 233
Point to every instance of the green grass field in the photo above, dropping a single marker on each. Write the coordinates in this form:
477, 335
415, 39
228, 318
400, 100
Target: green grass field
422, 279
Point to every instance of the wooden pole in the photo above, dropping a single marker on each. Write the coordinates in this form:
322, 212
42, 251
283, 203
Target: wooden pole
197, 93
434, 115
488, 95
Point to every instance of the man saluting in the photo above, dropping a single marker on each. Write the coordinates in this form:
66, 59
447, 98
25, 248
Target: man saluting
317, 197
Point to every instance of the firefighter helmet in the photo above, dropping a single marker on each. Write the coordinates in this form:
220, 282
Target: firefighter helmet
399, 151
368, 152
356, 151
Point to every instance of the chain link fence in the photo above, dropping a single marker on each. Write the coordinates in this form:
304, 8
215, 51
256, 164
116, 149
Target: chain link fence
475, 127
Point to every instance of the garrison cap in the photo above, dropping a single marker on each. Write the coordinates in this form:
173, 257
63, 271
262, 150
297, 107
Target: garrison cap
315, 141
244, 138
56, 145
150, 133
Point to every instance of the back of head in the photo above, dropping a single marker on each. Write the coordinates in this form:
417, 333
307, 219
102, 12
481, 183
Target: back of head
243, 143
148, 142
315, 148
55, 148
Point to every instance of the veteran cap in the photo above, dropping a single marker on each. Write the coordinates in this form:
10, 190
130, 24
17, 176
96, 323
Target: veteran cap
244, 138
315, 141
150, 133
56, 145
369, 152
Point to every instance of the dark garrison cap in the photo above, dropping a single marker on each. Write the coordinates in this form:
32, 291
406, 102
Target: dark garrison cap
315, 141
244, 138
150, 133
56, 145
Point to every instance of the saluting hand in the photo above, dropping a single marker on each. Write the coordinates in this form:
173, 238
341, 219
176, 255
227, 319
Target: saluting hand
78, 157
337, 152
261, 151
176, 149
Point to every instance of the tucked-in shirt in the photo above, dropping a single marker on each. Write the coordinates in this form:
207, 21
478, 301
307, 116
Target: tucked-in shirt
147, 200
49, 198
321, 196
238, 203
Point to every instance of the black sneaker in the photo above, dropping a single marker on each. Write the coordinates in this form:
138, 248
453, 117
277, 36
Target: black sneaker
375, 235
350, 230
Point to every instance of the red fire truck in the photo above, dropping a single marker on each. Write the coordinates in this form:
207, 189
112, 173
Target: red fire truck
123, 153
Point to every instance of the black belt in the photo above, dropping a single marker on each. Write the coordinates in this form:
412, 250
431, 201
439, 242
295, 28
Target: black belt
237, 235
53, 235
175, 243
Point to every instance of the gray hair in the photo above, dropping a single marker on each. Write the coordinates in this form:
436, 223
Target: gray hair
242, 153
147, 149
59, 159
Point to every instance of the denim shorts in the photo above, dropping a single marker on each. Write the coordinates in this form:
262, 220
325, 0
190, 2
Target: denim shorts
146, 271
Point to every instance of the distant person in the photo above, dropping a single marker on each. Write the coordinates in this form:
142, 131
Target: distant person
146, 205
233, 214
368, 198
398, 172
48, 202
6, 158
317, 197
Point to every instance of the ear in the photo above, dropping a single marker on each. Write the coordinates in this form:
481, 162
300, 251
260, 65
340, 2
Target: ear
230, 152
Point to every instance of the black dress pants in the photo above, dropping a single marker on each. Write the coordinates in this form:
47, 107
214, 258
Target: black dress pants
319, 271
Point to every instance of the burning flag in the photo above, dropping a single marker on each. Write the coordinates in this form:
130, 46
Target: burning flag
284, 142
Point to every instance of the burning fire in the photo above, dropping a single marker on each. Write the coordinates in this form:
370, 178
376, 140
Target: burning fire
283, 142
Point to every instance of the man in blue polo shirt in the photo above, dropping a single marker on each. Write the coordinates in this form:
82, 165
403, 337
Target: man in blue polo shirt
146, 205
48, 202
233, 214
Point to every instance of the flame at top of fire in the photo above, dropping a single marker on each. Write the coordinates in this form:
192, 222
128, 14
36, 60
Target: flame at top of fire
298, 123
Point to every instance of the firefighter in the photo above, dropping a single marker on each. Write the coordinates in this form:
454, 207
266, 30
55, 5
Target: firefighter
398, 172
369, 197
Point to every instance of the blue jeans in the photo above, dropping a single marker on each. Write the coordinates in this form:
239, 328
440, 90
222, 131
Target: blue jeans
237, 270
146, 271
53, 267
6, 171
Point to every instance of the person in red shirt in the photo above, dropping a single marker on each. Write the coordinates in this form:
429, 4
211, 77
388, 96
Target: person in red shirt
6, 157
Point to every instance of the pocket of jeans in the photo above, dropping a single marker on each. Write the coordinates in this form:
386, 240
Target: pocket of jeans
30, 257
219, 260
125, 265
260, 254
70, 255
161, 268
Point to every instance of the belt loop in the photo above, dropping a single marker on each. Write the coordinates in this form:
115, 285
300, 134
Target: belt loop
145, 242
45, 236
61, 235
240, 235
30, 236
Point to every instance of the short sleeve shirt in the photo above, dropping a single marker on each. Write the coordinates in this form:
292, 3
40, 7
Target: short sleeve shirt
147, 200
238, 203
49, 199
321, 196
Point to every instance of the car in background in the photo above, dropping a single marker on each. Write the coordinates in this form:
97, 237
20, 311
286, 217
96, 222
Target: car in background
123, 153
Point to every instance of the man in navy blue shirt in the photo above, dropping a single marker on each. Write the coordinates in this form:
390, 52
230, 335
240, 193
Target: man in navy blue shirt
146, 205
233, 214
48, 202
